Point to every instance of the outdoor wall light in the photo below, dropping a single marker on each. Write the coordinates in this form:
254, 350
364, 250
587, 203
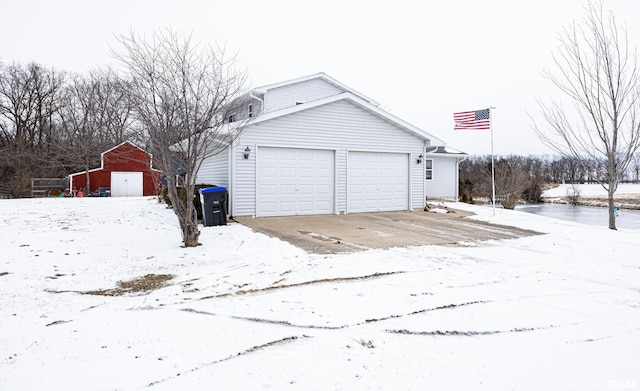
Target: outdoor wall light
247, 151
419, 161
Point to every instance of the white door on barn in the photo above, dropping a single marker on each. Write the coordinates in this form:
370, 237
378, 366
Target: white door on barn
295, 181
377, 181
126, 184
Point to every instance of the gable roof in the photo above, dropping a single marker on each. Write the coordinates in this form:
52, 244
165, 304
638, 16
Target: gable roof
123, 143
320, 75
444, 151
358, 101
113, 149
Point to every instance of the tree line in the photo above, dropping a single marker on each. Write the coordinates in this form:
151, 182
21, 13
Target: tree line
522, 178
53, 123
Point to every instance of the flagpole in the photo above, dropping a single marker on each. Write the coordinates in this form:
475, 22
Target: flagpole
493, 171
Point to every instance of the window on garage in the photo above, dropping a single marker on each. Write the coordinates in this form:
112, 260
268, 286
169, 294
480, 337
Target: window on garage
428, 168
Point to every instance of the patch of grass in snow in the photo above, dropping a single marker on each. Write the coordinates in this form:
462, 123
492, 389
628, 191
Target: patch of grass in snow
3, 274
142, 285
239, 354
320, 281
469, 333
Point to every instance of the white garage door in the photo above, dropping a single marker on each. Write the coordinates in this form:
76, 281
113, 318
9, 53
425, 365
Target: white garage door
378, 182
295, 181
126, 184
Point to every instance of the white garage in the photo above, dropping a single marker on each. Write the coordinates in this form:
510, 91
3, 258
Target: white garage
126, 184
377, 181
295, 181
315, 146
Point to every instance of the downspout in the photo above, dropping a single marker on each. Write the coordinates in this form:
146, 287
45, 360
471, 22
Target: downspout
422, 174
232, 179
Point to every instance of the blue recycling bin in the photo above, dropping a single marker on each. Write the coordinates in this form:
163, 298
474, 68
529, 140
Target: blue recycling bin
214, 205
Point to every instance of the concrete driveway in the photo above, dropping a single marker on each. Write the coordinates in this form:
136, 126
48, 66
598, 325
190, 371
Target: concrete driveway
331, 234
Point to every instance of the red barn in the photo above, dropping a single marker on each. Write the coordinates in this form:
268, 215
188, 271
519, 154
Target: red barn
125, 170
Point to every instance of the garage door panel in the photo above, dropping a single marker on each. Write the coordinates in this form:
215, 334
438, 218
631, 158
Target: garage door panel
286, 207
287, 172
305, 207
378, 181
326, 190
269, 207
270, 172
268, 189
304, 184
285, 190
306, 172
307, 190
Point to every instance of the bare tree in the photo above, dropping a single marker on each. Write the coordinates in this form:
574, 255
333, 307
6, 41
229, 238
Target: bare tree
181, 94
30, 99
515, 179
598, 71
95, 117
635, 169
82, 123
511, 183
573, 194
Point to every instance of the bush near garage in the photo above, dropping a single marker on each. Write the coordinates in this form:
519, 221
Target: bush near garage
182, 193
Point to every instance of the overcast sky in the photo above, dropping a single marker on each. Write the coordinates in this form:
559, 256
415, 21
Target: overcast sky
421, 60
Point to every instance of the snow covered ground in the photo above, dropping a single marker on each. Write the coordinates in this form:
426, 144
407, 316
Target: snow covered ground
244, 311
593, 190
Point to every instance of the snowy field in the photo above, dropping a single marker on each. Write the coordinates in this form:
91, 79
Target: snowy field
593, 190
559, 311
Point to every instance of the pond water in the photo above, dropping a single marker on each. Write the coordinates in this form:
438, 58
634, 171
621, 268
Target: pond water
627, 218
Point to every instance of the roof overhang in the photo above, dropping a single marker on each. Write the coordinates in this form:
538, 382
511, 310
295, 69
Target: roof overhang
444, 151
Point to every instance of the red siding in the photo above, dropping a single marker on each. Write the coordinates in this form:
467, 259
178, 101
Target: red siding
125, 157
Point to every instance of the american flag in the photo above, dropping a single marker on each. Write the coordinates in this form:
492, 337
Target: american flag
472, 120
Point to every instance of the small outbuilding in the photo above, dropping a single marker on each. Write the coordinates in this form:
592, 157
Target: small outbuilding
125, 171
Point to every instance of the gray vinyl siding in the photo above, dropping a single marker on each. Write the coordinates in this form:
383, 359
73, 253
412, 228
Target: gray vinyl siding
340, 126
443, 184
215, 170
240, 108
287, 96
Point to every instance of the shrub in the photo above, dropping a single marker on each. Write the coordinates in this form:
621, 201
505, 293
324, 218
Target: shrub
182, 194
533, 193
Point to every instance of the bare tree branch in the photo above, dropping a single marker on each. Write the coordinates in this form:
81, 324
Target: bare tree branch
597, 71
181, 94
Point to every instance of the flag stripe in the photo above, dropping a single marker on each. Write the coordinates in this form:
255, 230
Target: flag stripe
472, 120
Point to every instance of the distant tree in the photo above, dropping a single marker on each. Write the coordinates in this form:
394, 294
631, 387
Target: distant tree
181, 95
96, 116
598, 72
511, 183
82, 123
573, 194
475, 178
635, 169
30, 101
515, 179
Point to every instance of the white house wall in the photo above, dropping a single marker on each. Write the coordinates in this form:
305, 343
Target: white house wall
287, 96
215, 170
444, 182
340, 126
